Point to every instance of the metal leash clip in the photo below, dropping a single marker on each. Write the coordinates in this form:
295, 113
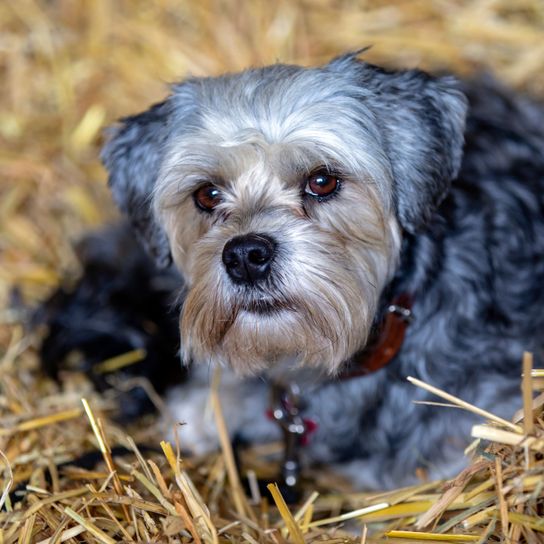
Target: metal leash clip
287, 404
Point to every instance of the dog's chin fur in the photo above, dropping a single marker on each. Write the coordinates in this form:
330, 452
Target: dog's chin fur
316, 309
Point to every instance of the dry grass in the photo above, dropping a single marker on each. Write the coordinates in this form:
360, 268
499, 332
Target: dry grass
67, 69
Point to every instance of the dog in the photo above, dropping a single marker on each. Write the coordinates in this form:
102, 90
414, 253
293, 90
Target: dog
299, 204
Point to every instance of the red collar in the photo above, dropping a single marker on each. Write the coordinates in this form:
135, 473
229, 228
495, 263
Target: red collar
387, 341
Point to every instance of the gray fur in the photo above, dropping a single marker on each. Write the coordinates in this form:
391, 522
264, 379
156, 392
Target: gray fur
133, 156
422, 120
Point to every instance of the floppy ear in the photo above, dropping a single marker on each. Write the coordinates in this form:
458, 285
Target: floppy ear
422, 121
133, 156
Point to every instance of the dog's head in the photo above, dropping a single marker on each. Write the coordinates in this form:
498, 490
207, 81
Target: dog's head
281, 194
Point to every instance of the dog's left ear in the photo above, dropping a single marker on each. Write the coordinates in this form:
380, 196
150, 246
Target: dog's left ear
133, 156
422, 121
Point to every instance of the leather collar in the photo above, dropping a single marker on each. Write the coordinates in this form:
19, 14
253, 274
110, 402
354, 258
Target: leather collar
386, 342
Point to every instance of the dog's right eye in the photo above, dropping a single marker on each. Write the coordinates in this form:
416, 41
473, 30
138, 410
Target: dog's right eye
321, 185
207, 197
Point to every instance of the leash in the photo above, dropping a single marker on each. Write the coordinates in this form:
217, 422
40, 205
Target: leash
287, 404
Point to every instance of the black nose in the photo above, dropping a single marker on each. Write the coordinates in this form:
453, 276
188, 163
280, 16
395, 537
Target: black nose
248, 258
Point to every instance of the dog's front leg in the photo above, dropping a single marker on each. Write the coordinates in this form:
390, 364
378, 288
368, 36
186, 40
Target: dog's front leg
244, 403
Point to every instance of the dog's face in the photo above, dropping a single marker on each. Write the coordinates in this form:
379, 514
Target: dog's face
281, 194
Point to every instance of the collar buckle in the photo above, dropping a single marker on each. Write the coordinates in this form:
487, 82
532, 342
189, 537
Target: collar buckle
402, 311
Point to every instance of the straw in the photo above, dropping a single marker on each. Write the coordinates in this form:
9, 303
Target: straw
467, 406
290, 522
527, 389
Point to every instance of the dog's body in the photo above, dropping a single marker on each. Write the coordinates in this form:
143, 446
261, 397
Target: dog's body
297, 203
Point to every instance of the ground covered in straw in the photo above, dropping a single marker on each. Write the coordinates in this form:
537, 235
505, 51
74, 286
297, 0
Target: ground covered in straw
68, 472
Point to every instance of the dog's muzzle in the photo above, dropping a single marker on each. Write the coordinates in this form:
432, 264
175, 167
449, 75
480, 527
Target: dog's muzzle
248, 258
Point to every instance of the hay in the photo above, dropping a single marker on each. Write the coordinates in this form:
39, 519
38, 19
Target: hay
67, 69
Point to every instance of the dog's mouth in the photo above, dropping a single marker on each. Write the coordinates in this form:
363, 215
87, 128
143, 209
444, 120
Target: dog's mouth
266, 305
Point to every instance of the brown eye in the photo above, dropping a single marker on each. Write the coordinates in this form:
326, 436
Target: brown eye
321, 184
207, 197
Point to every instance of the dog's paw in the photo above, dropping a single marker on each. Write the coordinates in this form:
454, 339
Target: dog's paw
191, 409
244, 404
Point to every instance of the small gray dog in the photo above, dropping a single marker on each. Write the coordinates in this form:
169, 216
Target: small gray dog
299, 204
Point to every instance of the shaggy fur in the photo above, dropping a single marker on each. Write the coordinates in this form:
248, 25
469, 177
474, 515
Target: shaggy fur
470, 253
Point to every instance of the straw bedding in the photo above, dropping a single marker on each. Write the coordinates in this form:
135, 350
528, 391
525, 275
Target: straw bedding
68, 472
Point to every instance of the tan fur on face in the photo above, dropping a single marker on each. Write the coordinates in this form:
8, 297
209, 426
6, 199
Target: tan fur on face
332, 263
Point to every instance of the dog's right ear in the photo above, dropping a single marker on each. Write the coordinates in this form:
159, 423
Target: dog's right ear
422, 122
133, 156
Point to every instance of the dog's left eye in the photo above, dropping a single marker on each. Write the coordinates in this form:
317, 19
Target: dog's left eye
321, 184
207, 197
